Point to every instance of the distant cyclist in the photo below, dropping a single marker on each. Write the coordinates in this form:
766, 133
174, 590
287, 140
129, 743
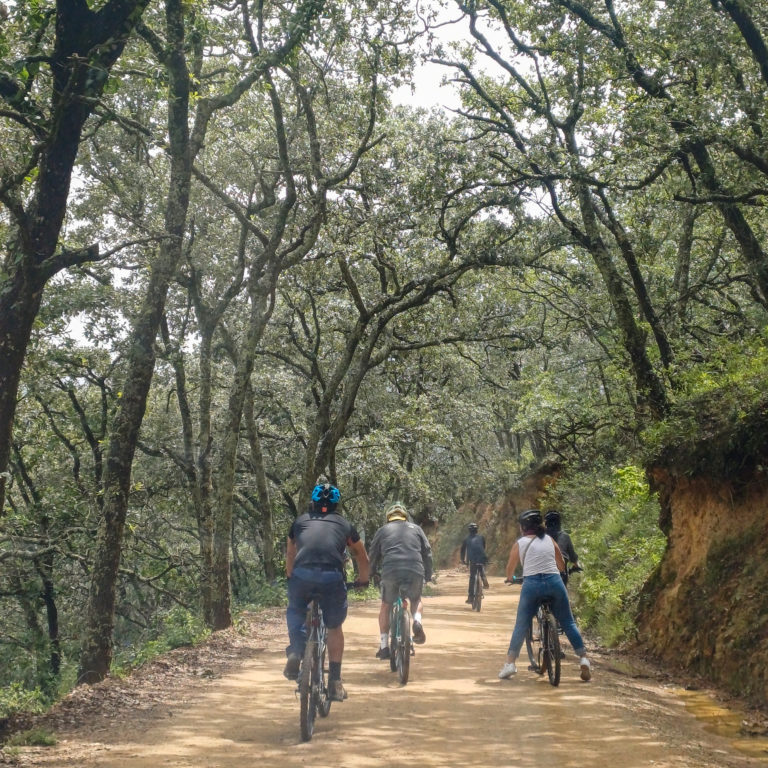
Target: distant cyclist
553, 523
542, 564
314, 563
473, 554
401, 551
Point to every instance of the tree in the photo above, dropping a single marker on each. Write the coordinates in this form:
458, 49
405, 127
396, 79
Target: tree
184, 145
51, 89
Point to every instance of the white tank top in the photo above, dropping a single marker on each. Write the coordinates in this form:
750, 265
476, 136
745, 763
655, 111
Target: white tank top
537, 555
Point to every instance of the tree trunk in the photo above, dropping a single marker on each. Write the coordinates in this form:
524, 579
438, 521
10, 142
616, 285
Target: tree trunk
649, 385
18, 309
683, 265
261, 309
262, 490
96, 655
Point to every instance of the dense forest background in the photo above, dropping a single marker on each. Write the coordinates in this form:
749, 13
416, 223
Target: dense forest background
235, 260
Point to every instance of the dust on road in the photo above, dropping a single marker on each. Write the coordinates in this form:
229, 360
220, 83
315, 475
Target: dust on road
453, 712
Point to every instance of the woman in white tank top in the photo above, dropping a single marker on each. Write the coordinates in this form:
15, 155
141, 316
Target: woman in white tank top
542, 564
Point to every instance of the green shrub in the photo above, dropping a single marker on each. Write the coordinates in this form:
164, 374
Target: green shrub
36, 737
613, 519
15, 698
182, 627
258, 593
178, 627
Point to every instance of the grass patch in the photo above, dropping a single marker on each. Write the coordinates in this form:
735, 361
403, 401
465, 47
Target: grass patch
35, 737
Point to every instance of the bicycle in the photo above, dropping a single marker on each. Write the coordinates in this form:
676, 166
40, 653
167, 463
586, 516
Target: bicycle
542, 641
478, 594
314, 688
400, 644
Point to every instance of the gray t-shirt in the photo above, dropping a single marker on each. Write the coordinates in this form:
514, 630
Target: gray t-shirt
401, 546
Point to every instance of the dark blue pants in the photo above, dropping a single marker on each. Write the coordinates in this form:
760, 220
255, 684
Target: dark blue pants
304, 584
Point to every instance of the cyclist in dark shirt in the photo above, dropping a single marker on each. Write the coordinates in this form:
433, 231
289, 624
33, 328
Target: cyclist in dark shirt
314, 564
553, 523
405, 556
473, 554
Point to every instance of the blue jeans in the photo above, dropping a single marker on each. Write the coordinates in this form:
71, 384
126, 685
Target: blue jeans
303, 585
535, 589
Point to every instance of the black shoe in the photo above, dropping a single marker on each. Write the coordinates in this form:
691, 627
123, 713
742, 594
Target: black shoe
469, 600
292, 666
418, 633
337, 692
383, 653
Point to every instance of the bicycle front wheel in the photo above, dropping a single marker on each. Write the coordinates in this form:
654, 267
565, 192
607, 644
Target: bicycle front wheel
306, 697
404, 647
551, 643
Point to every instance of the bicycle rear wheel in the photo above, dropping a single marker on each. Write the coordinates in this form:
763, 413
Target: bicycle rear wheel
533, 645
322, 694
477, 600
394, 620
306, 699
551, 645
404, 646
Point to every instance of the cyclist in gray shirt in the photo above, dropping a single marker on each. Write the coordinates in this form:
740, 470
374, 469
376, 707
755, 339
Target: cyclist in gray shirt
401, 551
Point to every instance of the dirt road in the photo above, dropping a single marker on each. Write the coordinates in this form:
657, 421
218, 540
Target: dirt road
453, 712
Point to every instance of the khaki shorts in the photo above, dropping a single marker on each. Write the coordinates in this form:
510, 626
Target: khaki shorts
411, 583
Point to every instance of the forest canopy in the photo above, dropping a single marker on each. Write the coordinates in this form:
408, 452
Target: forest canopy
234, 261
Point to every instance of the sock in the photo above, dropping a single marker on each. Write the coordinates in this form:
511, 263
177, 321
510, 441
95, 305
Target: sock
417, 617
384, 641
334, 670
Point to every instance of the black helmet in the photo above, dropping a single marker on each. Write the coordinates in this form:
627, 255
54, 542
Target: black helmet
530, 518
552, 519
472, 526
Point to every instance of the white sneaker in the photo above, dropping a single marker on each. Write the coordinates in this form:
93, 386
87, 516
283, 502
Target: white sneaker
586, 672
507, 670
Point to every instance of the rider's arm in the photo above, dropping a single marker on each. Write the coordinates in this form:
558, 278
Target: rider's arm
571, 551
374, 554
357, 548
512, 563
426, 556
290, 556
559, 559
